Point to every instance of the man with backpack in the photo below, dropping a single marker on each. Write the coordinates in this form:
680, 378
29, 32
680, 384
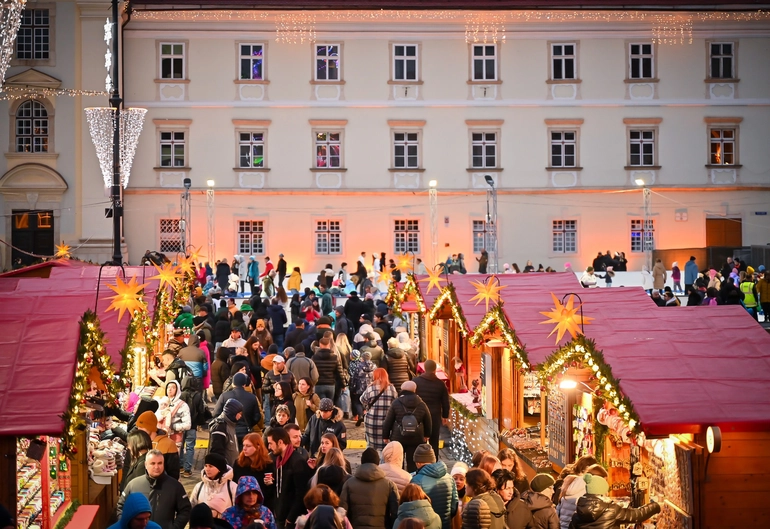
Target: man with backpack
222, 437
343, 325
192, 395
408, 422
250, 408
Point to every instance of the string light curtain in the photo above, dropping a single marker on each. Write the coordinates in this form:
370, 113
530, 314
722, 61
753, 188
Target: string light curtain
100, 124
9, 27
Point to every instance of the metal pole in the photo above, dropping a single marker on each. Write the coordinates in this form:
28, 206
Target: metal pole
490, 237
184, 224
115, 102
433, 201
648, 233
210, 210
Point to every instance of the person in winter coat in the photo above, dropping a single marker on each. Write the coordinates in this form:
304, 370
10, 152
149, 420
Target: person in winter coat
373, 348
511, 462
216, 488
595, 512
222, 273
254, 460
253, 271
690, 274
136, 513
194, 400
248, 506
291, 476
377, 400
278, 320
435, 395
301, 366
393, 465
572, 489
330, 372
369, 498
433, 478
361, 370
483, 261
659, 275
168, 499
676, 277
148, 423
395, 362
243, 272
324, 511
486, 509
194, 357
306, 402
328, 419
250, 407
222, 437
539, 502
763, 289
283, 400
139, 443
414, 503
407, 403
517, 514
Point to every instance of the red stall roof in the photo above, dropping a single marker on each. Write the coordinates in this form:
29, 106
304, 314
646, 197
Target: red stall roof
39, 341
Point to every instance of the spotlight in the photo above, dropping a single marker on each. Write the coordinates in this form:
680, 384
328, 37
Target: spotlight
187, 183
489, 180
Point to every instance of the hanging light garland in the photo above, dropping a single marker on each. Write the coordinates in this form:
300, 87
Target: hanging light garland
101, 123
496, 319
295, 28
485, 28
449, 296
9, 28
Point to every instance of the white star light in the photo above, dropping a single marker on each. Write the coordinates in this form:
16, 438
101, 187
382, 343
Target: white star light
107, 31
108, 60
108, 83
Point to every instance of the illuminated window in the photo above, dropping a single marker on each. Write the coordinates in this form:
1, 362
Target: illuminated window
642, 237
484, 62
172, 149
406, 236
44, 220
251, 149
484, 150
21, 221
563, 148
328, 237
722, 60
170, 235
641, 61
172, 60
404, 62
31, 127
327, 62
564, 236
251, 237
722, 146
563, 61
328, 149
33, 42
252, 61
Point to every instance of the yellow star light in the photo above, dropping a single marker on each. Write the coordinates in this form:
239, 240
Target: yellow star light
127, 296
62, 251
487, 291
186, 266
384, 277
195, 256
566, 318
434, 280
404, 263
168, 274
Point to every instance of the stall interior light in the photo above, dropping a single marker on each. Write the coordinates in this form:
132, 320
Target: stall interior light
567, 384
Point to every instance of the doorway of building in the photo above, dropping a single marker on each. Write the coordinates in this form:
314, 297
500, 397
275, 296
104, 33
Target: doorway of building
32, 232
724, 232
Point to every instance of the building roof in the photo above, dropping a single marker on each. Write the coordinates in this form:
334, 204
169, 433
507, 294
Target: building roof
38, 345
475, 5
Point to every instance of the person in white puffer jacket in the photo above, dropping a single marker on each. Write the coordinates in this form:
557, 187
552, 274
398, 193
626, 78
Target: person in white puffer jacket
216, 488
179, 413
393, 465
572, 490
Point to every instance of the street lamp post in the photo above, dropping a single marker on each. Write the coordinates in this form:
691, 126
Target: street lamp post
115, 102
433, 201
184, 223
210, 211
647, 230
490, 224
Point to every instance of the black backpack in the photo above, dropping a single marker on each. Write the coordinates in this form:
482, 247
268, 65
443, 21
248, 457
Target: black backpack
350, 333
409, 426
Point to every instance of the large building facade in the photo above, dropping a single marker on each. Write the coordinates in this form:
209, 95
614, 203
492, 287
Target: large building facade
321, 131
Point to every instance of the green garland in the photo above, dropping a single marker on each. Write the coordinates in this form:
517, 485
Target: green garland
449, 295
66, 518
462, 410
496, 318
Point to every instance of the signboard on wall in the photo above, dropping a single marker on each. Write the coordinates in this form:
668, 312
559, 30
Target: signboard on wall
558, 418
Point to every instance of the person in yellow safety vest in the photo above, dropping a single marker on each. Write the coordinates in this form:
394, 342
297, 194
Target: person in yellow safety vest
749, 289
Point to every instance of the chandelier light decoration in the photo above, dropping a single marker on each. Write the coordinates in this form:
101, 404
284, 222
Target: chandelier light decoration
9, 27
101, 125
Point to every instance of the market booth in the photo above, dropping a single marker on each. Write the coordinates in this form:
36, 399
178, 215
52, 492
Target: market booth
59, 363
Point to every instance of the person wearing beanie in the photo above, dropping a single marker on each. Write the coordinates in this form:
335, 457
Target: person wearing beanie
396, 363
201, 517
216, 488
410, 406
250, 407
136, 513
369, 497
223, 439
435, 395
458, 472
328, 419
433, 478
276, 373
539, 502
248, 507
393, 465
148, 423
594, 511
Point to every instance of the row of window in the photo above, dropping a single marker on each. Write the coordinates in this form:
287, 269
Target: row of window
406, 236
484, 148
484, 61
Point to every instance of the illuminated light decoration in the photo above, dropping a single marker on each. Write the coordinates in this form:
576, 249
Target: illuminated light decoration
487, 291
108, 55
186, 266
582, 352
62, 251
409, 289
496, 319
295, 28
485, 28
12, 93
128, 296
9, 28
434, 279
672, 29
195, 255
168, 274
449, 296
405, 263
384, 277
101, 125
566, 318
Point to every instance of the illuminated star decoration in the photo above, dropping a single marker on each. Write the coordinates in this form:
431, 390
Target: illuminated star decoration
566, 318
384, 277
62, 251
168, 274
404, 263
487, 291
434, 280
127, 296
186, 266
195, 256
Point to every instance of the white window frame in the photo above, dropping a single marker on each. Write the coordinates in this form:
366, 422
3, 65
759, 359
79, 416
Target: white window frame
245, 230
37, 30
30, 124
173, 141
641, 57
483, 143
480, 235
168, 235
406, 236
328, 144
642, 141
563, 143
325, 58
484, 58
407, 144
561, 242
328, 234
405, 59
563, 59
251, 58
723, 140
250, 143
720, 57
173, 57
641, 236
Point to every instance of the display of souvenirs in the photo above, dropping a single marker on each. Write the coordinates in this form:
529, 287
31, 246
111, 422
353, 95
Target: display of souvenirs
672, 518
105, 457
669, 468
582, 431
30, 496
526, 443
532, 386
558, 427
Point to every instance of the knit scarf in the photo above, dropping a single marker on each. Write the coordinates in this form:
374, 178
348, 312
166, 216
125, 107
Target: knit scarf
283, 458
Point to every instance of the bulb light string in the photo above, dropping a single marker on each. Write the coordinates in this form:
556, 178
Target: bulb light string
10, 20
14, 92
